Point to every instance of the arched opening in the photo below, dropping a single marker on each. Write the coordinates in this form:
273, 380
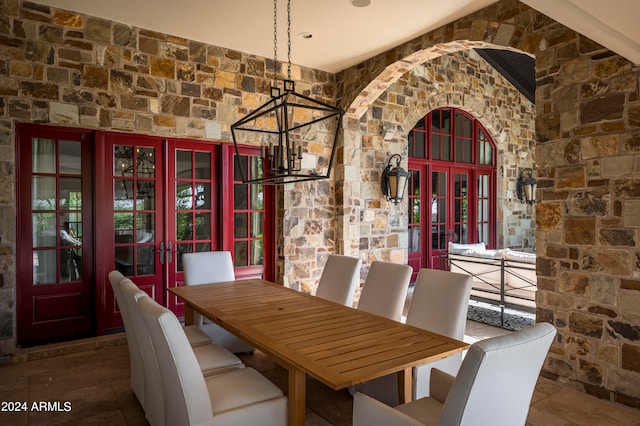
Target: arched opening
452, 187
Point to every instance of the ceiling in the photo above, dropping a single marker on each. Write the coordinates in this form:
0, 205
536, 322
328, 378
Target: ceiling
342, 34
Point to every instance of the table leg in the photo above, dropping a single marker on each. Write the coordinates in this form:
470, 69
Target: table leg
297, 393
405, 385
188, 315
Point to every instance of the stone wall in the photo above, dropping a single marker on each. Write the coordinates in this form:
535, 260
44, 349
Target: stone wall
462, 80
588, 160
69, 69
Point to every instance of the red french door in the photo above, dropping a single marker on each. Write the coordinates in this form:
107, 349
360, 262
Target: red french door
160, 201
440, 211
54, 229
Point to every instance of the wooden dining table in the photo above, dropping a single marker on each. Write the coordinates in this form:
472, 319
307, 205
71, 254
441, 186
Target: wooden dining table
338, 345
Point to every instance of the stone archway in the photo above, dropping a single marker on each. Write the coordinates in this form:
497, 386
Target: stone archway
586, 134
436, 92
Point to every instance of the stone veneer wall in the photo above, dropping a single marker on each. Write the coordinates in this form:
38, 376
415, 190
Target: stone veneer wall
75, 70
69, 69
462, 80
588, 158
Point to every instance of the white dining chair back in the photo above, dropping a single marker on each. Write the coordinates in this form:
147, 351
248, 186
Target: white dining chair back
137, 375
439, 304
239, 396
186, 399
206, 268
385, 289
494, 386
340, 276
153, 398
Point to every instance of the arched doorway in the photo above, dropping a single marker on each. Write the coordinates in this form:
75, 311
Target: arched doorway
452, 195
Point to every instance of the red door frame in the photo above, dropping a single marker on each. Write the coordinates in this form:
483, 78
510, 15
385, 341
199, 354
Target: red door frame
108, 312
175, 278
267, 270
57, 297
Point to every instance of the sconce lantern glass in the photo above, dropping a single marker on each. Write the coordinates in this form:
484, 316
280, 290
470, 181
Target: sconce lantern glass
526, 186
394, 181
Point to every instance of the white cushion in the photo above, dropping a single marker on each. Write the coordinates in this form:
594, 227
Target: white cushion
215, 359
239, 388
521, 256
458, 248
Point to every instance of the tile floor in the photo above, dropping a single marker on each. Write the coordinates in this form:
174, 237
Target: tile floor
92, 377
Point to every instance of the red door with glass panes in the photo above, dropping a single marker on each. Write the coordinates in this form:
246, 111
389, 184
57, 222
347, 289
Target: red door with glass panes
451, 193
54, 234
160, 199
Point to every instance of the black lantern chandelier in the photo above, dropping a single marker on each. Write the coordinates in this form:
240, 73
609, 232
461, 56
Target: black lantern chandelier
526, 187
297, 135
394, 181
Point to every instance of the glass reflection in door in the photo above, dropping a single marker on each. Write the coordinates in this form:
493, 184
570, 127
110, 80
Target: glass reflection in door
56, 211
135, 209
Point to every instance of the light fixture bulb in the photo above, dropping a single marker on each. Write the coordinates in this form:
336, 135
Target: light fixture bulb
360, 3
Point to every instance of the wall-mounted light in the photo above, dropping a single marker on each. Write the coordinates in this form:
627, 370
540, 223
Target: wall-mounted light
526, 186
394, 181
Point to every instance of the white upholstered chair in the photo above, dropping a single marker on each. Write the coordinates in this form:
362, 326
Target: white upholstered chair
137, 376
493, 387
206, 268
339, 279
211, 358
439, 303
385, 289
236, 397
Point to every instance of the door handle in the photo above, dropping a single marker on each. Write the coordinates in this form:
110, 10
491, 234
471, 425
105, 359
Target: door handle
161, 251
169, 251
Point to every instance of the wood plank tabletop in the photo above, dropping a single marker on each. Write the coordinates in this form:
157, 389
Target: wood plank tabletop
338, 345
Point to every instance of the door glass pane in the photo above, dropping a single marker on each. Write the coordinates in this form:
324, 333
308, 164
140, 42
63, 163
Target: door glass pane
256, 224
145, 260
124, 260
43, 155
123, 161
241, 253
146, 197
145, 162
203, 196
183, 164
446, 148
44, 267
44, 229
414, 239
123, 226
257, 195
435, 147
70, 193
70, 264
71, 229
203, 226
203, 165
44, 192
145, 228
123, 194
240, 225
240, 193
184, 226
256, 252
184, 196
70, 157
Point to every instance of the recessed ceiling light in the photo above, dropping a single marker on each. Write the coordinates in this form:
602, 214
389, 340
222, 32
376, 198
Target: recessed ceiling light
360, 3
305, 35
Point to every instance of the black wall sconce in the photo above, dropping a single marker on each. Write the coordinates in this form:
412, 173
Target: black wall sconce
526, 186
394, 181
